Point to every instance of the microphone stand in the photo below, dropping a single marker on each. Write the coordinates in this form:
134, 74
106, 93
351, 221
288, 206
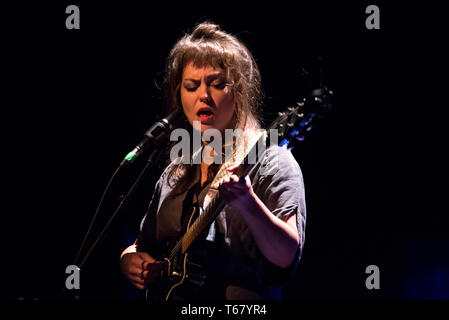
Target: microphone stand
122, 202
157, 134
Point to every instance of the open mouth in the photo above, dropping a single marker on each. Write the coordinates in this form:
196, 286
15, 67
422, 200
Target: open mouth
204, 114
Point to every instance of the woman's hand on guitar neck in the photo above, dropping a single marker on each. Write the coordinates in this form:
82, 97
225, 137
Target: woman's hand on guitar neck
140, 268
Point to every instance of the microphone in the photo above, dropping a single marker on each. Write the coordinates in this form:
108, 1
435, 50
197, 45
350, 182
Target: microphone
154, 137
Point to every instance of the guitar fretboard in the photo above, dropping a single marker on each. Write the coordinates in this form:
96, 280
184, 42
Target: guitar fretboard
217, 204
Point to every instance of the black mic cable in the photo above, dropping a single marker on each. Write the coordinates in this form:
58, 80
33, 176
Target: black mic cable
157, 135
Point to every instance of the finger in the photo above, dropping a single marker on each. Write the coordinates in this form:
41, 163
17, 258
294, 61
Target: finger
138, 285
134, 271
233, 167
137, 280
223, 187
135, 262
141, 275
234, 178
145, 256
131, 260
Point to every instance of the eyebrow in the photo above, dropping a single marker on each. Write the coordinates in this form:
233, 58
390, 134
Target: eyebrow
209, 78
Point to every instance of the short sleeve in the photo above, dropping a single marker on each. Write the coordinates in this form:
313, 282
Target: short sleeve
280, 186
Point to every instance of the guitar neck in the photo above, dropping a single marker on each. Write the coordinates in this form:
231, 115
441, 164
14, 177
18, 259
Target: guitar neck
217, 203
290, 125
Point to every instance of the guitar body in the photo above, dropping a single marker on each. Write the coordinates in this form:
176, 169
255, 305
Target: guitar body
171, 277
181, 273
177, 280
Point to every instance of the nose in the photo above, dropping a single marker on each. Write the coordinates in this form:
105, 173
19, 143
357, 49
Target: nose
204, 93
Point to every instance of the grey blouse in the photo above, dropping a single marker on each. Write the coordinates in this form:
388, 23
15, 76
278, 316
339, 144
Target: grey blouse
277, 180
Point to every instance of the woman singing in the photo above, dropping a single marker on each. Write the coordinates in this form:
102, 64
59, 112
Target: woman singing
254, 245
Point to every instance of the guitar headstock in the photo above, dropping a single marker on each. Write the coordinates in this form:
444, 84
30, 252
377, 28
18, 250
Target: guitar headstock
294, 123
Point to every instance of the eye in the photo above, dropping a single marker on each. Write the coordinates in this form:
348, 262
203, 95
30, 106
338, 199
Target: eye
219, 85
190, 88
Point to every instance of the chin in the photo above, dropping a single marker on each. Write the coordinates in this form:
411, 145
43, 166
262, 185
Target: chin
205, 127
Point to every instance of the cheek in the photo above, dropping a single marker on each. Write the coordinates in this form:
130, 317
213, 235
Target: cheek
187, 103
227, 104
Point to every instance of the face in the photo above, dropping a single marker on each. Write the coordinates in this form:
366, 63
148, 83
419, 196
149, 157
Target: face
206, 97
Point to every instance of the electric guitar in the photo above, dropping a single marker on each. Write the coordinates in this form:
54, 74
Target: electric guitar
177, 269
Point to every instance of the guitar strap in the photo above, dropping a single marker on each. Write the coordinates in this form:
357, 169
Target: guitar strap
195, 200
190, 205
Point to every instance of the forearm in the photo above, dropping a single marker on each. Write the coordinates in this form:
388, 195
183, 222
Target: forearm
277, 240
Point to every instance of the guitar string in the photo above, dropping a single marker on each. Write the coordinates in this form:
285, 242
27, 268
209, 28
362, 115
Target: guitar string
186, 240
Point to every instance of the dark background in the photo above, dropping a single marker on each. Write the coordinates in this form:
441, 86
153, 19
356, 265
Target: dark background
74, 102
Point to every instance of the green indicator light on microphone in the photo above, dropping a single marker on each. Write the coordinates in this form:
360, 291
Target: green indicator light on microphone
130, 157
